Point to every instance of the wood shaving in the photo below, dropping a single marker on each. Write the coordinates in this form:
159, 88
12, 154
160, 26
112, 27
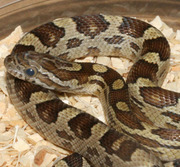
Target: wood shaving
22, 146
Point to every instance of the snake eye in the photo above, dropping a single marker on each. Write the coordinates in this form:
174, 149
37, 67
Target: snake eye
30, 72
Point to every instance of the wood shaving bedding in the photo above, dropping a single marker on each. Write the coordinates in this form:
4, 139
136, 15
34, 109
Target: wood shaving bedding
22, 146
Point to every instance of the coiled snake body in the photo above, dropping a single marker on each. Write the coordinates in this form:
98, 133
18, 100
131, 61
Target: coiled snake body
142, 118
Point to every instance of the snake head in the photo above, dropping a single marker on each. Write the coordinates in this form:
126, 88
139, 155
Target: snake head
19, 66
37, 68
27, 66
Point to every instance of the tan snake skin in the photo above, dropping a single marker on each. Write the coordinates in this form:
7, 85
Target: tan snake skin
143, 119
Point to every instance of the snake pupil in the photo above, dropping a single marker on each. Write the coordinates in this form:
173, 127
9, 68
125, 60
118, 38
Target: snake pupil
30, 72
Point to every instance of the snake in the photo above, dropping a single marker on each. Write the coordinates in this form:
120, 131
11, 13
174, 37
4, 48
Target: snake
142, 126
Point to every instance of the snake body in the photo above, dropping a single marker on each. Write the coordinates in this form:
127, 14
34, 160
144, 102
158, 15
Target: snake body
142, 118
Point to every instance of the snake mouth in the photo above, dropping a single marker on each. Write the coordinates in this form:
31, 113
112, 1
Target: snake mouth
8, 62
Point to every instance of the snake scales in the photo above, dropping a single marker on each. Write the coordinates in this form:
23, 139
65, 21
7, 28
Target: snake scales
143, 119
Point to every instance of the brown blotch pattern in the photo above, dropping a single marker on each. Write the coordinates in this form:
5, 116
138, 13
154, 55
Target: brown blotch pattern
159, 45
159, 97
118, 95
63, 134
125, 117
23, 48
93, 51
135, 46
142, 69
48, 110
175, 117
91, 25
146, 141
114, 40
108, 139
91, 152
139, 114
73, 160
110, 76
168, 134
129, 119
73, 43
126, 148
49, 34
82, 129
25, 89
151, 143
133, 27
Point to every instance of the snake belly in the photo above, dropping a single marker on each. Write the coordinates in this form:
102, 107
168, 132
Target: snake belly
142, 118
